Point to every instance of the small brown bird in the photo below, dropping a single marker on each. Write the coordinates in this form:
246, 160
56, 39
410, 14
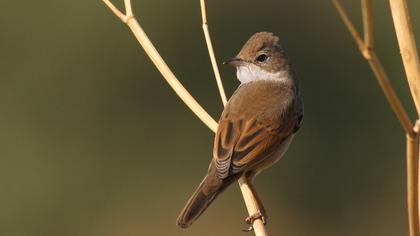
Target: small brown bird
256, 126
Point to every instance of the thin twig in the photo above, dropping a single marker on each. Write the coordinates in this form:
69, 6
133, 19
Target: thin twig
410, 58
162, 66
408, 49
115, 10
412, 184
211, 52
249, 198
390, 93
350, 27
367, 49
376, 66
252, 206
179, 89
367, 12
128, 8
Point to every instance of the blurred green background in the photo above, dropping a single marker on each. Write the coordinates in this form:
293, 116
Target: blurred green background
94, 142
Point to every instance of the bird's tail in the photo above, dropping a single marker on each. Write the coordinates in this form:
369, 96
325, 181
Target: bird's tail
204, 195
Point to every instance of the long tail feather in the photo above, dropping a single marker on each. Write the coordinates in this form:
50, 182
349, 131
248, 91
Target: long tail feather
204, 195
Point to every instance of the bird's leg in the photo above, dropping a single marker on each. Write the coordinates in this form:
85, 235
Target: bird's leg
261, 210
260, 213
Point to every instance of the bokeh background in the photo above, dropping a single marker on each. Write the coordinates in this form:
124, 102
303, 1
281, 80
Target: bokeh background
94, 142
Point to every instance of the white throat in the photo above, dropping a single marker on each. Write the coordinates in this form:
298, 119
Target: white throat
252, 72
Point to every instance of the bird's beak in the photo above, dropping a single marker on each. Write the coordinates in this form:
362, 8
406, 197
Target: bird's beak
235, 62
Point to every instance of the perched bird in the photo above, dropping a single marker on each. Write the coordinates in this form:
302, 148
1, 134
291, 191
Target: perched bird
256, 126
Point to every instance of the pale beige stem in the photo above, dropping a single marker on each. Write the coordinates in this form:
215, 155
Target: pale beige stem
169, 76
115, 10
410, 58
408, 49
367, 12
179, 89
163, 67
128, 8
353, 31
249, 198
390, 93
375, 64
252, 206
211, 52
367, 50
413, 184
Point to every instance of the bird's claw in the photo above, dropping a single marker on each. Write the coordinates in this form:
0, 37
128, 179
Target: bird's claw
250, 220
251, 228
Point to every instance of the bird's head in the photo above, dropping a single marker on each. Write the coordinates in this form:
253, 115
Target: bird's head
261, 58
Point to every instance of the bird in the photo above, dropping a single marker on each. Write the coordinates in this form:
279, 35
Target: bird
256, 126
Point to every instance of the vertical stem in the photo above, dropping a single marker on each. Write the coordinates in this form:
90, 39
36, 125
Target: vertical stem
413, 184
130, 20
410, 58
151, 51
408, 49
211, 53
368, 52
128, 9
367, 12
252, 206
247, 193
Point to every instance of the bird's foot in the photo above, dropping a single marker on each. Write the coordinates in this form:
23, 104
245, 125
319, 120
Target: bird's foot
250, 220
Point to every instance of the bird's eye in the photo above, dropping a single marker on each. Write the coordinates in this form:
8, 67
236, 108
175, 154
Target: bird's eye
262, 58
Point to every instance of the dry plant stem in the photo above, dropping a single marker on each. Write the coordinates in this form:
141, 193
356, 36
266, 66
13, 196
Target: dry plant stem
161, 65
169, 76
250, 199
350, 27
407, 44
129, 19
211, 52
412, 184
246, 189
115, 10
370, 55
367, 50
390, 94
410, 58
368, 23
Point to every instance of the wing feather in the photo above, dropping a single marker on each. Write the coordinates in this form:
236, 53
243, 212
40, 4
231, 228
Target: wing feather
241, 143
249, 132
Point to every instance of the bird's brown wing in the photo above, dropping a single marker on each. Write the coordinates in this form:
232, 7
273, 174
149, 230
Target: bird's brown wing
239, 144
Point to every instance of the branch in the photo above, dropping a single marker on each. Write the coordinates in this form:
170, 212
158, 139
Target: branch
410, 58
375, 64
130, 20
246, 189
346, 20
115, 10
367, 49
128, 8
407, 44
367, 12
161, 65
211, 52
412, 183
252, 206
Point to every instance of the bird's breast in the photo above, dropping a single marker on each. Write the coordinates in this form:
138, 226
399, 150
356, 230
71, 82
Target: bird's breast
267, 100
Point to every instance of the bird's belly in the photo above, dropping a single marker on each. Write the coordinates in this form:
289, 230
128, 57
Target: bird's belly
275, 156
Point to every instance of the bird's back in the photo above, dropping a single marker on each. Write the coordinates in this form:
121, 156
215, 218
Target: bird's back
268, 101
